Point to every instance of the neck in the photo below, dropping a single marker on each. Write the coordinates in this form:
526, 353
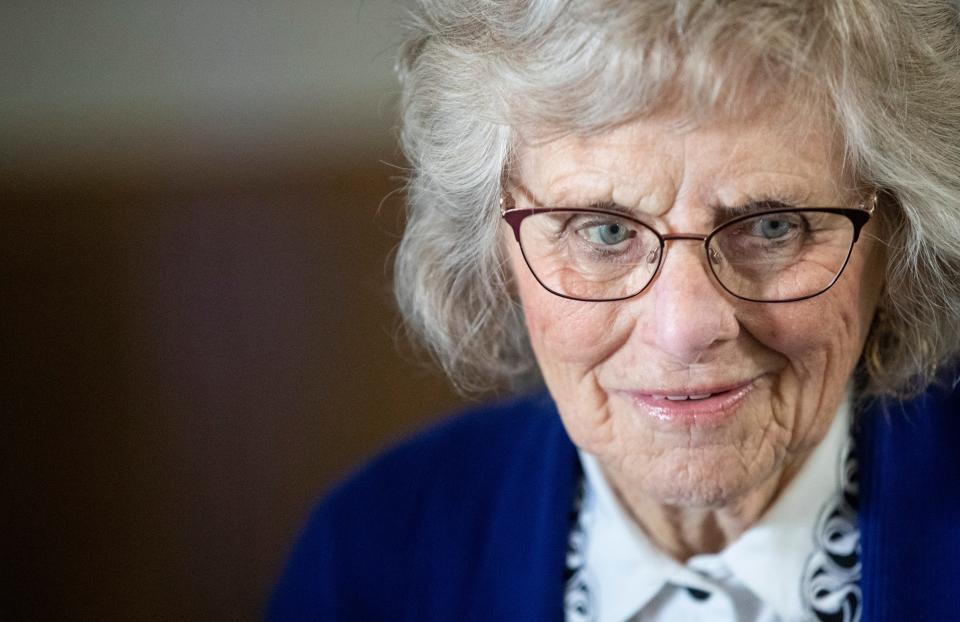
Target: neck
685, 531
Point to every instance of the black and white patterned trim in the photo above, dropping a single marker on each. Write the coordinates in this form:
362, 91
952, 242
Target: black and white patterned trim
830, 587
830, 584
578, 601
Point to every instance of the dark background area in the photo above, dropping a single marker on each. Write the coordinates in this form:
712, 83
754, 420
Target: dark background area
198, 337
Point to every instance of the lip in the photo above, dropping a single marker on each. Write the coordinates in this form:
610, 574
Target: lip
724, 402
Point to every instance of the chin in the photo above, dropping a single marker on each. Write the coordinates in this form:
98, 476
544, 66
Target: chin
706, 482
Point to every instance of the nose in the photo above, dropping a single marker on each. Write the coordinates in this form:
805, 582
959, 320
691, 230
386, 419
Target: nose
688, 312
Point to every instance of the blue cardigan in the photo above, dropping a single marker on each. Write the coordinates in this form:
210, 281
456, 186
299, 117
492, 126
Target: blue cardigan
469, 521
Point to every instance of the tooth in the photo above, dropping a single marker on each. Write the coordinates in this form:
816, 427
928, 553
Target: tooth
658, 397
701, 397
676, 398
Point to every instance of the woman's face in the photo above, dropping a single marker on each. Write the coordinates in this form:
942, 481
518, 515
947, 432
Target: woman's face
778, 372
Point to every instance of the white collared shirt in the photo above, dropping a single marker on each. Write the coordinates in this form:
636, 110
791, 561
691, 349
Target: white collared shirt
768, 574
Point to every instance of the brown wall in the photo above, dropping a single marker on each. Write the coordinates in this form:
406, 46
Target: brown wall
189, 362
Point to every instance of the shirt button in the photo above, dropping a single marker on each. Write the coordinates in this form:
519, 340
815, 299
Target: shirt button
697, 594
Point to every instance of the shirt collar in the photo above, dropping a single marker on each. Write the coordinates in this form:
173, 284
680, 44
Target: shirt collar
627, 570
787, 528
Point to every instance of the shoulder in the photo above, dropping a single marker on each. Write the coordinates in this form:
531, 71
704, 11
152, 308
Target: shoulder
466, 448
418, 513
910, 506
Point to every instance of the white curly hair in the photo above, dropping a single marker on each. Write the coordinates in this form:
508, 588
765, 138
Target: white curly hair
477, 74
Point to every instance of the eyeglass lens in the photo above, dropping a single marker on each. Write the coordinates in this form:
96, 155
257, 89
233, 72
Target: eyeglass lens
765, 257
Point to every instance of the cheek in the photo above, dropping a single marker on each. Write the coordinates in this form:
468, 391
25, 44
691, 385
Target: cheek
564, 333
820, 341
571, 340
826, 333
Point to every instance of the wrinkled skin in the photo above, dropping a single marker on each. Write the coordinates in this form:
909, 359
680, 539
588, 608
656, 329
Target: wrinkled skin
693, 488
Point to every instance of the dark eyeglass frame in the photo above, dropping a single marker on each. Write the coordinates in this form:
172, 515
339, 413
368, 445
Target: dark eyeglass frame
859, 216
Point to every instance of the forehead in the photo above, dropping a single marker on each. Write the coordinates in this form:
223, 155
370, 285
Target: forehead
785, 150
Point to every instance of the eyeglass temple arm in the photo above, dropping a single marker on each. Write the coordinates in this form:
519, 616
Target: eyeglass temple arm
506, 214
862, 216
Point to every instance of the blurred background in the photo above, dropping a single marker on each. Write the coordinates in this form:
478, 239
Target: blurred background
198, 200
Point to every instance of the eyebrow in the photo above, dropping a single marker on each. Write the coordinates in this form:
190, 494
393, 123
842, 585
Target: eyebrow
610, 206
721, 212
726, 212
607, 206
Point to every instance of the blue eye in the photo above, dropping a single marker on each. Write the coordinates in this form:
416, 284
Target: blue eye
609, 234
774, 226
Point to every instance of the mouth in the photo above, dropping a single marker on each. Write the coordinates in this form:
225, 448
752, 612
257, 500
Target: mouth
680, 398
691, 405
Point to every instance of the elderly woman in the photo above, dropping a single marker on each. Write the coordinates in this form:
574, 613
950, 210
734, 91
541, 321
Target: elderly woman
725, 235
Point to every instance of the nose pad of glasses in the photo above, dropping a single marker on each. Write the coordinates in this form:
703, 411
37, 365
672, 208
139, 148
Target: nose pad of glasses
653, 256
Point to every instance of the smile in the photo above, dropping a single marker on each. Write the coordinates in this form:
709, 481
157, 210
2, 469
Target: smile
691, 405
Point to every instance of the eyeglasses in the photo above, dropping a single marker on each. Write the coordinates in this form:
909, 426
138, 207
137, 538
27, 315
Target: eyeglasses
775, 255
